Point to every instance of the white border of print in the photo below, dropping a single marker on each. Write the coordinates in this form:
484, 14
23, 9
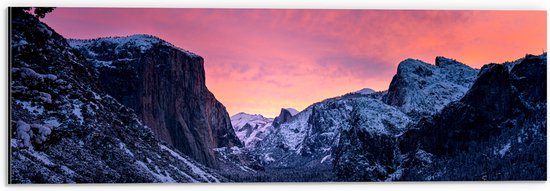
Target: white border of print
308, 4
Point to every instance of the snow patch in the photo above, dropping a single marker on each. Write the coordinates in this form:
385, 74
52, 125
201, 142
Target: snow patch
184, 174
53, 122
23, 133
101, 63
26, 133
96, 96
504, 149
325, 158
267, 157
158, 175
67, 170
31, 74
395, 175
33, 109
123, 147
204, 175
424, 156
41, 157
78, 112
292, 111
43, 132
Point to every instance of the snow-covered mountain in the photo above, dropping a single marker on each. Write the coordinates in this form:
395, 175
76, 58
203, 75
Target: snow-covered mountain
417, 88
422, 89
292, 111
357, 136
284, 116
365, 91
310, 137
251, 128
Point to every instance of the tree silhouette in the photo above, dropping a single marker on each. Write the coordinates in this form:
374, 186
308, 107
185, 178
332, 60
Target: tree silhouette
39, 12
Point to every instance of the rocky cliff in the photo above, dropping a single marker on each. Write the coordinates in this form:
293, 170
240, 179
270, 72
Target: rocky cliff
65, 129
421, 89
166, 88
284, 116
500, 125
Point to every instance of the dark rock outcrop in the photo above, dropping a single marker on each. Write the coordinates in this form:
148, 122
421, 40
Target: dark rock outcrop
166, 88
284, 116
363, 155
472, 118
500, 119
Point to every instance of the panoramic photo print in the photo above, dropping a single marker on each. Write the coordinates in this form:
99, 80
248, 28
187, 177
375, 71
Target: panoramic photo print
189, 95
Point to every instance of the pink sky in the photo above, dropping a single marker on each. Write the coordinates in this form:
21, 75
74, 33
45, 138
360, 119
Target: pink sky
260, 60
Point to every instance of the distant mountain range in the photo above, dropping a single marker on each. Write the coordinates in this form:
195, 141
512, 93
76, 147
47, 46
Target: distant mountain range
136, 109
435, 122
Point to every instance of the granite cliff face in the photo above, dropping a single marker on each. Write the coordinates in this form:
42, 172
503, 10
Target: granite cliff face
284, 116
166, 88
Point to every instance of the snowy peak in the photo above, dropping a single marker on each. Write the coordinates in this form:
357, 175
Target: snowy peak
410, 64
141, 41
441, 61
138, 40
441, 83
102, 52
365, 91
239, 120
251, 128
284, 116
292, 111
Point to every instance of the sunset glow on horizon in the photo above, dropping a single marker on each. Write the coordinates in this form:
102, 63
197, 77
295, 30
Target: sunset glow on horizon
260, 60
